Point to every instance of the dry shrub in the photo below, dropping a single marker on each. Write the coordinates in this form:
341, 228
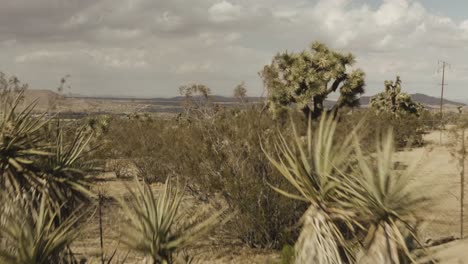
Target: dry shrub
218, 155
408, 129
120, 167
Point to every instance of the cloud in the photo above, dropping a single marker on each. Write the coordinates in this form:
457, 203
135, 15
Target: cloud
40, 55
224, 11
163, 44
113, 58
194, 67
464, 25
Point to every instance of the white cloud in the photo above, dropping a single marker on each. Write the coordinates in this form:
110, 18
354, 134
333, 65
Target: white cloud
118, 58
113, 58
224, 11
464, 25
231, 37
194, 67
41, 55
168, 21
223, 42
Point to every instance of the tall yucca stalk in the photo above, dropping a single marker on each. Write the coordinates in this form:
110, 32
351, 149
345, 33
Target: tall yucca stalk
30, 234
389, 204
155, 225
314, 168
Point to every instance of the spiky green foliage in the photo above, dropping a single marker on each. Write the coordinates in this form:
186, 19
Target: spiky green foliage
21, 144
64, 173
313, 168
30, 234
394, 101
36, 158
391, 204
352, 198
155, 225
309, 77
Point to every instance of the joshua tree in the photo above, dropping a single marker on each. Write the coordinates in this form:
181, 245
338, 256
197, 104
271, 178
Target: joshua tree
392, 100
309, 77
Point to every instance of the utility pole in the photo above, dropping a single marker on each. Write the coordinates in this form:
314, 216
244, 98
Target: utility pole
444, 64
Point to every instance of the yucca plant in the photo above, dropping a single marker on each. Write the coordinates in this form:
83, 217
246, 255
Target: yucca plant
30, 234
65, 173
156, 226
21, 144
389, 203
353, 198
33, 159
314, 168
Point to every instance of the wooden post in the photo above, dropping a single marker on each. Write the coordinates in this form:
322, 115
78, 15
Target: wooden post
462, 183
101, 234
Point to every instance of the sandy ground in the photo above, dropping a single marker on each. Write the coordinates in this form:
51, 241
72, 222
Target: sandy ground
437, 170
215, 249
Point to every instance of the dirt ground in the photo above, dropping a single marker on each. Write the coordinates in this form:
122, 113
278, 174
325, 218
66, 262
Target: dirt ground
437, 170
216, 249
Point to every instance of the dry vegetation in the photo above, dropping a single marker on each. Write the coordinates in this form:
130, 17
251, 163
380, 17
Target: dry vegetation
234, 185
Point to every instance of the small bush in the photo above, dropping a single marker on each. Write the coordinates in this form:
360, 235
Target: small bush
120, 167
215, 155
408, 129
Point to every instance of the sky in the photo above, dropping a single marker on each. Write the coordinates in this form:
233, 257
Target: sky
149, 48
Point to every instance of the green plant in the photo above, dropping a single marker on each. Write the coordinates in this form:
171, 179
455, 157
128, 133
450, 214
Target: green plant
309, 77
408, 131
41, 155
354, 199
155, 227
394, 101
30, 234
313, 167
287, 255
391, 204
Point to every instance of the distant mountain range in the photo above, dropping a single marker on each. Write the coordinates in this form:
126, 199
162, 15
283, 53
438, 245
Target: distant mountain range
46, 95
365, 100
420, 98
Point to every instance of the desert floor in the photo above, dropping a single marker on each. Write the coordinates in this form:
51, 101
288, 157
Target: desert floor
437, 170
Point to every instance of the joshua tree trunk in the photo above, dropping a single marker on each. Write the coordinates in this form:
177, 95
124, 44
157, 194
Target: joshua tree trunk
381, 249
316, 243
306, 111
318, 106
